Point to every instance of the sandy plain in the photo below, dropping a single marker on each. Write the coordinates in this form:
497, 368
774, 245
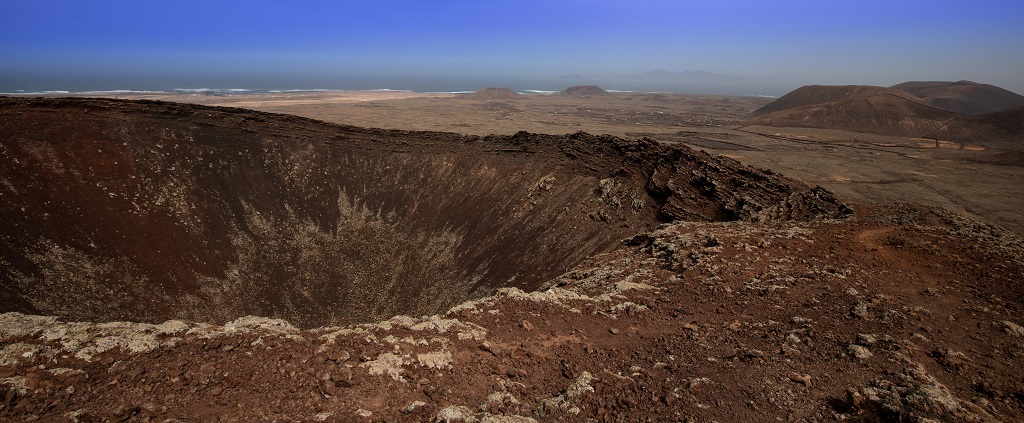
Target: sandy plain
857, 166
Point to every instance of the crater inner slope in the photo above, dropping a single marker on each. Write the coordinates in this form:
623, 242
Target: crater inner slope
148, 211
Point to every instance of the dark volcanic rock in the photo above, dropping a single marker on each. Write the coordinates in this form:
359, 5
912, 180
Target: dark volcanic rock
150, 211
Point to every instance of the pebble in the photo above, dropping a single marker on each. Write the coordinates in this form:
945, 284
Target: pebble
342, 377
859, 310
799, 378
859, 352
866, 339
1012, 328
800, 320
327, 387
413, 406
614, 331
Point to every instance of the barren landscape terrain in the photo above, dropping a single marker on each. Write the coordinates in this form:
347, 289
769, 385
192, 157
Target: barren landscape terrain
388, 256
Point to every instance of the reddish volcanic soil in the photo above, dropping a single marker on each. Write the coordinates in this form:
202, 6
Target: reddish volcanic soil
895, 314
555, 278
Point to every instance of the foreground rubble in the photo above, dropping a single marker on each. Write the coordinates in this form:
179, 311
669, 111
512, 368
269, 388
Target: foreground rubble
899, 313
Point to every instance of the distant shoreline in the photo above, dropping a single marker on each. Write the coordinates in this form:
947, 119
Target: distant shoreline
205, 91
231, 92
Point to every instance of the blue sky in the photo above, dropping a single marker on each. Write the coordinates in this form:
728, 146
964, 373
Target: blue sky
792, 42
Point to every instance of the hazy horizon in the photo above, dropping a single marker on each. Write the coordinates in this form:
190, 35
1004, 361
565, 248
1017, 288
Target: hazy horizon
770, 47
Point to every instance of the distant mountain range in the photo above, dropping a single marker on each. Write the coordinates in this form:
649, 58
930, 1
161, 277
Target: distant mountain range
662, 75
685, 76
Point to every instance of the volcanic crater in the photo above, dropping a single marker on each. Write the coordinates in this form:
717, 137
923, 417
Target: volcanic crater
148, 211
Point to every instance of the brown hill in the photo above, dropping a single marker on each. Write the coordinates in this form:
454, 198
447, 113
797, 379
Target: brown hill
1000, 130
880, 111
493, 93
818, 94
963, 96
584, 91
